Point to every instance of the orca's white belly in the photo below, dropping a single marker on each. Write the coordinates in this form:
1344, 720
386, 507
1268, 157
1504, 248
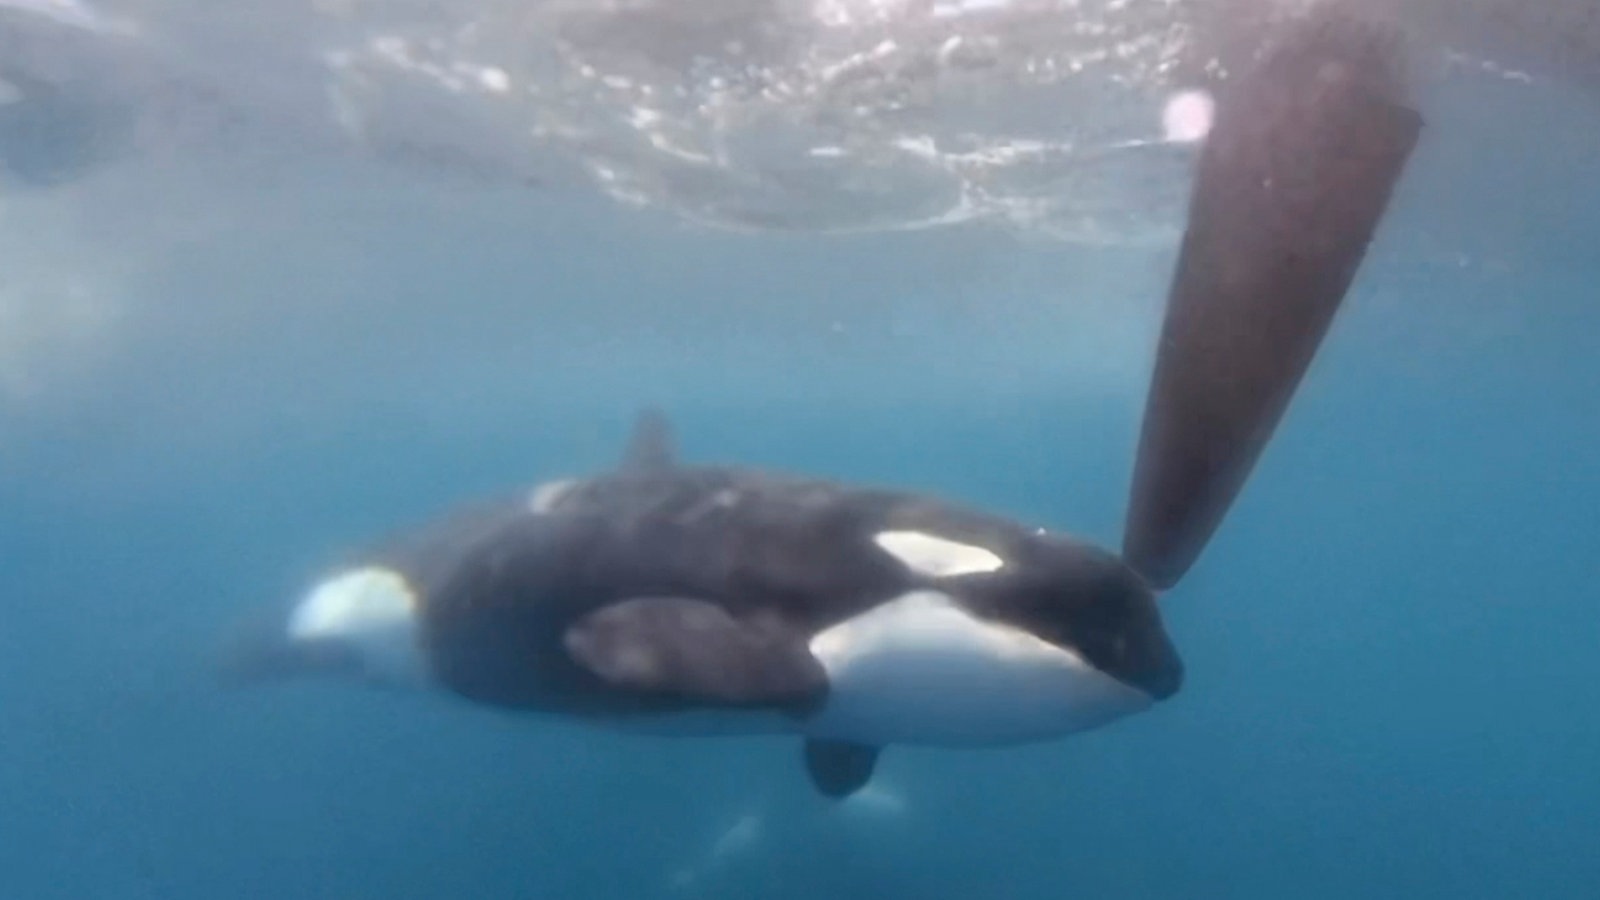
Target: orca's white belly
922, 670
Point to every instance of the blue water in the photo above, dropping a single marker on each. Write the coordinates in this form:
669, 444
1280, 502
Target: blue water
1391, 645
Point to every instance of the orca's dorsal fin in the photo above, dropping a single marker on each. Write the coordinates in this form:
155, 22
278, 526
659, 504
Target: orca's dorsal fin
652, 446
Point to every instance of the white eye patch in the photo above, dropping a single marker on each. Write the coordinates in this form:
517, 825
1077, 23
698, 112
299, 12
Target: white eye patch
937, 557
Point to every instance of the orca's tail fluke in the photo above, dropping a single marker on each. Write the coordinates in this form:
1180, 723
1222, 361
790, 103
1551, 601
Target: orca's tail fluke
1291, 185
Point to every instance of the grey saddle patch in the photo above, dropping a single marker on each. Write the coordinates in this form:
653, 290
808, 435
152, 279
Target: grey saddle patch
693, 649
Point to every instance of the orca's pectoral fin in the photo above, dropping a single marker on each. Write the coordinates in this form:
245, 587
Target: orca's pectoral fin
1292, 183
839, 768
694, 650
652, 446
